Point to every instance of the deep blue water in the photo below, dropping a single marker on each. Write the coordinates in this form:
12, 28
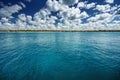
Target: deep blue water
60, 56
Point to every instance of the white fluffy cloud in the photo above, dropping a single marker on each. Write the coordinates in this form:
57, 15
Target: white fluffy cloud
109, 1
86, 5
68, 17
81, 5
4, 20
70, 13
104, 17
53, 5
69, 2
7, 11
103, 8
91, 5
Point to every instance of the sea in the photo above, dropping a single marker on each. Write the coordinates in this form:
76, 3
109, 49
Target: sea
60, 56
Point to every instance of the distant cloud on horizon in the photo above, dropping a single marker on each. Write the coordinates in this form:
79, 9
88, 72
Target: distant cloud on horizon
62, 15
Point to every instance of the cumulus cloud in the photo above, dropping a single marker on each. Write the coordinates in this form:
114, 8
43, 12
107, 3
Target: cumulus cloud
53, 5
69, 2
109, 1
103, 8
86, 5
68, 17
104, 17
91, 5
70, 13
3, 20
84, 15
7, 11
81, 5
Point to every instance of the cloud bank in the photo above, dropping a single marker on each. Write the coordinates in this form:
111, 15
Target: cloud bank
62, 15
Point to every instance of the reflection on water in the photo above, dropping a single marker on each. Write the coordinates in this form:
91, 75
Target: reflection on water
60, 56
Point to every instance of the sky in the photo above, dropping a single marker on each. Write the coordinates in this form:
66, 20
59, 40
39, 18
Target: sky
59, 15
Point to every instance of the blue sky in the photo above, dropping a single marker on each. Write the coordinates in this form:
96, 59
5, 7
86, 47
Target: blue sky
59, 14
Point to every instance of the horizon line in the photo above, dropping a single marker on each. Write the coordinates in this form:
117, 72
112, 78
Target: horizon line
59, 30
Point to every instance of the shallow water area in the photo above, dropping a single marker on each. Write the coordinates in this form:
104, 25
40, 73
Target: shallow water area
60, 56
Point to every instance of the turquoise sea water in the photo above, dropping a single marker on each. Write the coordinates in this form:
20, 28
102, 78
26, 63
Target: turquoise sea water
60, 56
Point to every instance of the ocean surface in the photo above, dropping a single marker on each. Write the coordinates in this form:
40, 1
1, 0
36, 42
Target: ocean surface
60, 56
